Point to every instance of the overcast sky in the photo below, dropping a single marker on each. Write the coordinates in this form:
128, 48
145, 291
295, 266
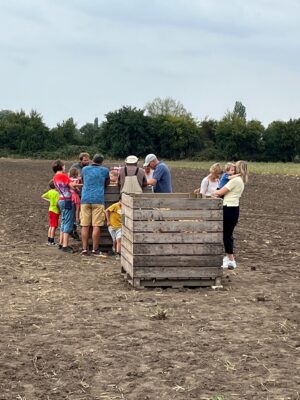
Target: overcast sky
84, 58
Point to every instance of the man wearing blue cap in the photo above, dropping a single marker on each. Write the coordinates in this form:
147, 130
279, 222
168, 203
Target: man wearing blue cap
161, 179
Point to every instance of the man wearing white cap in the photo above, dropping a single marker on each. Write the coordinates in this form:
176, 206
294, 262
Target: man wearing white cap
132, 179
161, 179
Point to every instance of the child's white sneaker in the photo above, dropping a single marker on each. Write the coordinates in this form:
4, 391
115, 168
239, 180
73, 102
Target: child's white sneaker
231, 264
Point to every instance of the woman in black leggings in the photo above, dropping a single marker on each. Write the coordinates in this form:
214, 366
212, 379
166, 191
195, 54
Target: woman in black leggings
232, 192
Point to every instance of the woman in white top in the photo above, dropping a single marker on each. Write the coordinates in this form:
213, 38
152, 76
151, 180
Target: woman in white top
210, 183
232, 192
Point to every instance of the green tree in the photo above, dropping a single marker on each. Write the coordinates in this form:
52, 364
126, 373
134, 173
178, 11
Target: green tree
282, 140
176, 137
166, 107
240, 110
126, 131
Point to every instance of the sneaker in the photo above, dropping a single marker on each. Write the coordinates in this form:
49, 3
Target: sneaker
111, 253
51, 244
67, 249
85, 253
231, 264
118, 256
98, 253
225, 262
59, 246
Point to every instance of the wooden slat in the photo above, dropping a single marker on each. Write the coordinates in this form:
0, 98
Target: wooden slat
173, 226
125, 243
112, 189
172, 249
176, 272
126, 264
171, 203
112, 197
173, 283
175, 237
171, 215
182, 261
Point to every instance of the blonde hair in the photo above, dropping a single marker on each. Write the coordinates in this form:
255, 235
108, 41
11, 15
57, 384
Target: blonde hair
228, 166
242, 169
215, 169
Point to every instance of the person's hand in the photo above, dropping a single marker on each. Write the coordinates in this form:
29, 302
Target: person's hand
196, 191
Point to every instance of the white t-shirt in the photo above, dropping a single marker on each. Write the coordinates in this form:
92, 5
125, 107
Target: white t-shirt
207, 187
236, 187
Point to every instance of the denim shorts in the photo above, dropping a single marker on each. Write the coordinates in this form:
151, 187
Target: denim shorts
115, 233
67, 217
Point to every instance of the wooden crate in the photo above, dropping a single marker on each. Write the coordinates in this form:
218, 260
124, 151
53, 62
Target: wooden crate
171, 240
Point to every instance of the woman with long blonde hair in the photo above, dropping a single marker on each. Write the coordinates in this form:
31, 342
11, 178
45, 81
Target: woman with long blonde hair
232, 193
210, 183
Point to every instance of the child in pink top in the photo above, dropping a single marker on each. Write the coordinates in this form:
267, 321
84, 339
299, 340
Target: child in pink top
74, 176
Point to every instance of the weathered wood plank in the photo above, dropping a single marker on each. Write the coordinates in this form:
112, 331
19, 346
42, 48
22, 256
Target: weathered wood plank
181, 261
172, 249
171, 203
173, 226
171, 215
176, 272
112, 189
173, 283
174, 237
125, 243
112, 197
126, 265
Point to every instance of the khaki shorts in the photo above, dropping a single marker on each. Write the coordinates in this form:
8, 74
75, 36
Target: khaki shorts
92, 215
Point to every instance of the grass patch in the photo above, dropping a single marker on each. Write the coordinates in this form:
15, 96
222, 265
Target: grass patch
254, 167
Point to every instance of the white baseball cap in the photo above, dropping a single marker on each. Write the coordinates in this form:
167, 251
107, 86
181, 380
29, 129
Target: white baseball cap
149, 158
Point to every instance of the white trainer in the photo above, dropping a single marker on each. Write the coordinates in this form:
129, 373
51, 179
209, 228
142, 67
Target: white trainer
231, 264
225, 262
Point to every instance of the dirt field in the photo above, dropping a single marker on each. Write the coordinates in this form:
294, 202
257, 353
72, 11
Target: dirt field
71, 328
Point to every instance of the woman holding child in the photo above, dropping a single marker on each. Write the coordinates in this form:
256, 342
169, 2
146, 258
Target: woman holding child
232, 193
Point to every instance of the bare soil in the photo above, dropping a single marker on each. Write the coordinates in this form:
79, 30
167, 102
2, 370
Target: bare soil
71, 328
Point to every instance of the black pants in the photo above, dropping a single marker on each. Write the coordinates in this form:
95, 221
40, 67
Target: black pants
230, 219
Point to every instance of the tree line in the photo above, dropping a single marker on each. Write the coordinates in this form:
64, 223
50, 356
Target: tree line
163, 127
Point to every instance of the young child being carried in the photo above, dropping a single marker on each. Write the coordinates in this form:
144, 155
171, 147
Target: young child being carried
53, 213
114, 224
230, 173
75, 178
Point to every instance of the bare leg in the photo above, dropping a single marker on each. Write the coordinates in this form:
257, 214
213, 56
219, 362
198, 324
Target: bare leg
85, 237
96, 237
77, 213
61, 238
52, 232
65, 239
118, 246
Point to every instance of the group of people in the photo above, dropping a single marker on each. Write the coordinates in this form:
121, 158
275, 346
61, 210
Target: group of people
78, 198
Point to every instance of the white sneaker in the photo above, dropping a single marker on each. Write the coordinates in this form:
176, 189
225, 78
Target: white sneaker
231, 264
225, 262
